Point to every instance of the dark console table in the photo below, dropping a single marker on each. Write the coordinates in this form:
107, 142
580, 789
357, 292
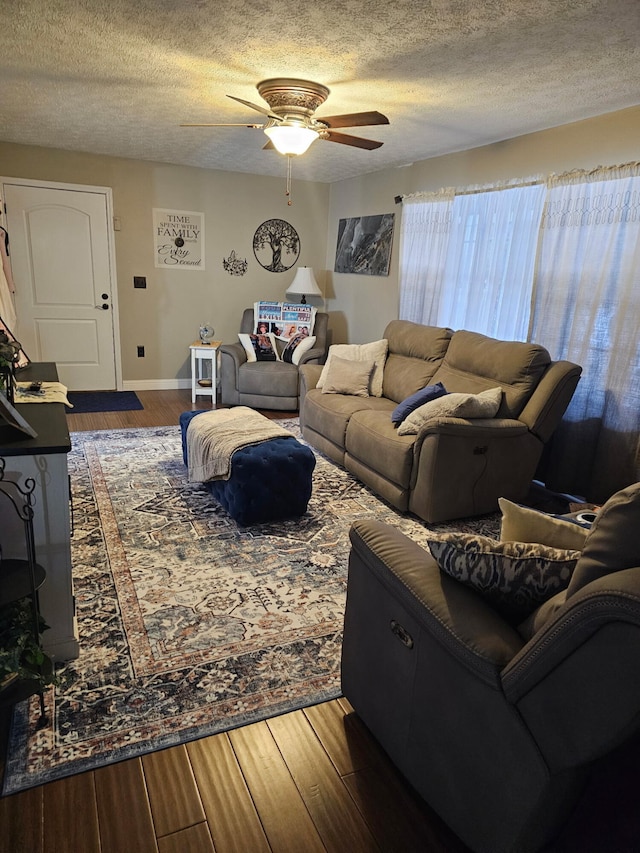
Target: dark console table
45, 459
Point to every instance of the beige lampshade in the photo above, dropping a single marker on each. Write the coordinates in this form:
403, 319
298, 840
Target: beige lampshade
304, 284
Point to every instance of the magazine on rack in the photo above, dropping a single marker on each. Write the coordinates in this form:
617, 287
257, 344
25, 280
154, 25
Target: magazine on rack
284, 319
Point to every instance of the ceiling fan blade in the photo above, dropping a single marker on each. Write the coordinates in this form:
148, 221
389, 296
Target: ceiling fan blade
260, 109
259, 126
356, 141
269, 146
354, 119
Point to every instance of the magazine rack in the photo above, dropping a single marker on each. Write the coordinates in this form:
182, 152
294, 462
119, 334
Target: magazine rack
20, 579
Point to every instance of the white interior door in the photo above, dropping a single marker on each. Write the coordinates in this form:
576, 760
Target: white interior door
59, 243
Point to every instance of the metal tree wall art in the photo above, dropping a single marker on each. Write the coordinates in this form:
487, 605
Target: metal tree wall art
276, 245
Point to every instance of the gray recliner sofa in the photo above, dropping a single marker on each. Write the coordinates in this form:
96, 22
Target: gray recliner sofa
494, 724
266, 384
453, 467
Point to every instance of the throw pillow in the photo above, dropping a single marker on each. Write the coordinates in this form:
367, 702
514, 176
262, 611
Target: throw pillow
424, 395
346, 376
523, 524
514, 577
375, 354
483, 405
260, 347
297, 347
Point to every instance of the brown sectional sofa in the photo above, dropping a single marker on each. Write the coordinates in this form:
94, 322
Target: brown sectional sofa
453, 467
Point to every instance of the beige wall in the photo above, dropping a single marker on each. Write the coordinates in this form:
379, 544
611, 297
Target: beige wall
165, 317
360, 306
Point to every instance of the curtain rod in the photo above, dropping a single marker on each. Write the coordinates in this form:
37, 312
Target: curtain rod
476, 190
598, 173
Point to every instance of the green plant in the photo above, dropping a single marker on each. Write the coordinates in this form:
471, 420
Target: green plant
21, 656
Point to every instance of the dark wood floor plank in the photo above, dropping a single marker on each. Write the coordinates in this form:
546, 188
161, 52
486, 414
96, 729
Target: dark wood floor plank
231, 813
21, 822
71, 815
347, 743
194, 839
334, 813
399, 819
285, 819
123, 809
173, 793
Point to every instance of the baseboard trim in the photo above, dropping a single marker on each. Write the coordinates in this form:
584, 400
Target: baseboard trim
155, 384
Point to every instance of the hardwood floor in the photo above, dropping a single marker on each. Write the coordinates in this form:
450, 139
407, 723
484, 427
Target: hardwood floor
311, 780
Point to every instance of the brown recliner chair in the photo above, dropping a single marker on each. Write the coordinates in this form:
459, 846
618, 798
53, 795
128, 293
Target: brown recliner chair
266, 384
496, 725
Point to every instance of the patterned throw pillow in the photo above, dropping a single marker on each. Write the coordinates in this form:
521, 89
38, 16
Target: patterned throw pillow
514, 577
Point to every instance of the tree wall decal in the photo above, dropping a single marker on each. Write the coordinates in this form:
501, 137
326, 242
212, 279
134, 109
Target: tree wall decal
274, 239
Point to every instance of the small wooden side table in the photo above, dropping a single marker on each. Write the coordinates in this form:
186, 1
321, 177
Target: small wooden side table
200, 354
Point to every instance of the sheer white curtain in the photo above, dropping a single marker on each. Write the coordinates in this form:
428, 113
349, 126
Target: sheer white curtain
468, 262
424, 238
490, 261
587, 309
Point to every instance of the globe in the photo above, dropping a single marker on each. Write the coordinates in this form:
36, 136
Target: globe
206, 333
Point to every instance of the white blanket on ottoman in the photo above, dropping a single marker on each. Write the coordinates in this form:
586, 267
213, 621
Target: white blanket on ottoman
213, 437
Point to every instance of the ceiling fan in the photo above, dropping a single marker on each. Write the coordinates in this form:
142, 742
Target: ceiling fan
291, 125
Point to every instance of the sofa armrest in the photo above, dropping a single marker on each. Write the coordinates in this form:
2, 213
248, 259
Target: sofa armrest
489, 427
546, 406
313, 356
454, 614
236, 351
309, 375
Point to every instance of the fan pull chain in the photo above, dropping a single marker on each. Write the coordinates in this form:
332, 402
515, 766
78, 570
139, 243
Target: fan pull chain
288, 190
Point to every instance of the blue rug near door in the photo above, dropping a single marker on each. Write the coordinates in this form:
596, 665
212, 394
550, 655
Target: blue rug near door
103, 401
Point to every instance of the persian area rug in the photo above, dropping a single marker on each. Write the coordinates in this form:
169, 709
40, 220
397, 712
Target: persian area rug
189, 624
102, 401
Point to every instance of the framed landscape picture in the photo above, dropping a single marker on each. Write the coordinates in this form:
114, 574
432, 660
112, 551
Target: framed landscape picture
364, 244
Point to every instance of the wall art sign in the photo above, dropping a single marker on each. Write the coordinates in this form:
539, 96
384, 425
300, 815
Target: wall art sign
178, 239
276, 245
364, 244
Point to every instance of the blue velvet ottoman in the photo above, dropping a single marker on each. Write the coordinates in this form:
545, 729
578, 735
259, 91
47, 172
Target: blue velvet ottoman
269, 481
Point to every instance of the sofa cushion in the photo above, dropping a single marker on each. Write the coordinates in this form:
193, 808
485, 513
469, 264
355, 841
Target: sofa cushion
613, 543
424, 395
523, 524
483, 405
415, 353
374, 354
347, 376
373, 439
515, 577
280, 378
474, 362
329, 414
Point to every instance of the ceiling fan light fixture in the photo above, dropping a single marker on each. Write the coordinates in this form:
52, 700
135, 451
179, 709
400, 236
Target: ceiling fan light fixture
291, 139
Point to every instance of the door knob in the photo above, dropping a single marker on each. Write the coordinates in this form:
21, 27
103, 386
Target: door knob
104, 306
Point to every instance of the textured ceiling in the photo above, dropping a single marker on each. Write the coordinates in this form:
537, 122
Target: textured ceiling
119, 77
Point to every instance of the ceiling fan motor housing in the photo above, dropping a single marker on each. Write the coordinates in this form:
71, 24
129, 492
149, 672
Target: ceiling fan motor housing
294, 99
